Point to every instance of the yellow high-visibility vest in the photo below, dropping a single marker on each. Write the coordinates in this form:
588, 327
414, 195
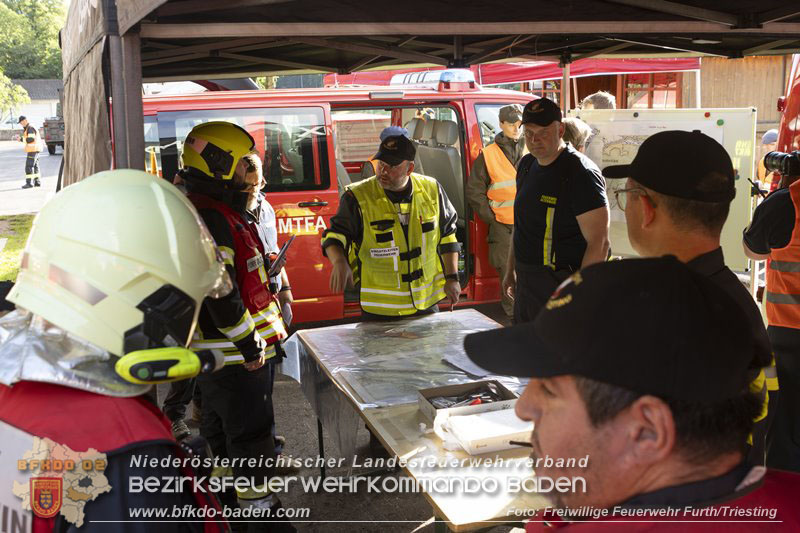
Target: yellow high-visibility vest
503, 187
398, 277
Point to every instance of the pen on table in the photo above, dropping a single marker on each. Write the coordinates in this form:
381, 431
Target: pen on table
520, 443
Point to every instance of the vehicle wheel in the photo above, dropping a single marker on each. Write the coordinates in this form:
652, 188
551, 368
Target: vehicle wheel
51, 149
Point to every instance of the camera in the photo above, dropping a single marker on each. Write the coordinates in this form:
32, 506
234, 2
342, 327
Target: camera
783, 163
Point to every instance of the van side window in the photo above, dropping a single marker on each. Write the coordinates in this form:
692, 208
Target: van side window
434, 129
292, 143
489, 121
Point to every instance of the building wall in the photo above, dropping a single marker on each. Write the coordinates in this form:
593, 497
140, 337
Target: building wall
35, 112
747, 82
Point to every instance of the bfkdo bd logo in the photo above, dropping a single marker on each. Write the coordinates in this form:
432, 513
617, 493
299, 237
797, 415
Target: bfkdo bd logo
46, 496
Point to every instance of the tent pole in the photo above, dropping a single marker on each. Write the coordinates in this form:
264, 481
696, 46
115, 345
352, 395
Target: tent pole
118, 102
698, 105
131, 47
565, 92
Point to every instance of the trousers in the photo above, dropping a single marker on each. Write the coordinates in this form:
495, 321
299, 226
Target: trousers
238, 419
499, 244
32, 166
535, 284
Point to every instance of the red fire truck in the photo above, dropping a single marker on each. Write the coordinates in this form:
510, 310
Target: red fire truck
315, 141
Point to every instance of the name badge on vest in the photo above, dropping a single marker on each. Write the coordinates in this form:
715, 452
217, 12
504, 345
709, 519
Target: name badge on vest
254, 262
379, 253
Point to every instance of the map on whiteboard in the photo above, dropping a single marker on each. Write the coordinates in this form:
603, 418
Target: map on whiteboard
616, 143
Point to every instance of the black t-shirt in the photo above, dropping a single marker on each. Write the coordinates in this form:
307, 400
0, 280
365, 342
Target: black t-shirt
773, 223
548, 202
712, 265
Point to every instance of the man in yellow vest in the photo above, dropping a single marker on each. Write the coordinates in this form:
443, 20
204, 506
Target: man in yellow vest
30, 138
491, 188
402, 228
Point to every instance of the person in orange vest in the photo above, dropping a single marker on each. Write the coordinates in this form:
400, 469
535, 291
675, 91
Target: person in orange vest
491, 188
774, 235
650, 362
30, 138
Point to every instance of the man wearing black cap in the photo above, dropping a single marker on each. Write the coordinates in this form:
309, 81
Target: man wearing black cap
402, 229
676, 199
492, 186
30, 138
655, 390
560, 212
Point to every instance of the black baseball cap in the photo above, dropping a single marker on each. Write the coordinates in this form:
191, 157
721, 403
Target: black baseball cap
679, 163
21, 118
653, 326
541, 112
396, 149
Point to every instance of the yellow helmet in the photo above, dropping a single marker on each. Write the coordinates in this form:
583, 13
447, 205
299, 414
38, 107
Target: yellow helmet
122, 260
215, 148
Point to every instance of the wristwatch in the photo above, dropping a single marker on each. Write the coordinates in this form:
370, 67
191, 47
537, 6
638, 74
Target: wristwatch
451, 277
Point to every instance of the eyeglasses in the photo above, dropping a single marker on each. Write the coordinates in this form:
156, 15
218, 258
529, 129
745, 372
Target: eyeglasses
621, 196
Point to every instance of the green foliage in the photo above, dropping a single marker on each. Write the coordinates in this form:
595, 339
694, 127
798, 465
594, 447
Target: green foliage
29, 38
12, 96
14, 229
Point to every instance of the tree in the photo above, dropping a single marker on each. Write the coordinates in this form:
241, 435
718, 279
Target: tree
12, 96
29, 38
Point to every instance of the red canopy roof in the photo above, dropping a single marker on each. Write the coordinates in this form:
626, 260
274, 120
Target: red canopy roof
495, 73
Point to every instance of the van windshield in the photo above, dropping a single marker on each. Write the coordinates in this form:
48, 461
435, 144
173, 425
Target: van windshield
292, 142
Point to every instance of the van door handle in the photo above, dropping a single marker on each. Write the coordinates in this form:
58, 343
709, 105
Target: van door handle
311, 204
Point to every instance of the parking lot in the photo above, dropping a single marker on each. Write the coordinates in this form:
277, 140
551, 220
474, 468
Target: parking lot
14, 200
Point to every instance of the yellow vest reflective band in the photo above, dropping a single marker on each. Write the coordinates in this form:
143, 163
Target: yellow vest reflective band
31, 146
503, 188
398, 277
783, 275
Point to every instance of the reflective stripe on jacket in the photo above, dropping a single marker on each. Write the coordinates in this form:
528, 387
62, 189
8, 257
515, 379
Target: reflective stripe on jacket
398, 277
783, 275
503, 188
263, 311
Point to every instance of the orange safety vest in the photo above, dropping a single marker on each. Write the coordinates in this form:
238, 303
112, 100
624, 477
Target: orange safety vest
32, 146
503, 188
783, 275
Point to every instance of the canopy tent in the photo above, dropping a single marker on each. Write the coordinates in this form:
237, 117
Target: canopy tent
111, 46
515, 72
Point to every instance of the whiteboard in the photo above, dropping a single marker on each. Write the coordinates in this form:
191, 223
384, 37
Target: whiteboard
617, 134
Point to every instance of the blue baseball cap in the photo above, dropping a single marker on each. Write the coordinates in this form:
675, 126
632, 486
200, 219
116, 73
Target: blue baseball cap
394, 131
770, 137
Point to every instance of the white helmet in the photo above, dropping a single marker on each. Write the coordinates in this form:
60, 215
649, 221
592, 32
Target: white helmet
122, 260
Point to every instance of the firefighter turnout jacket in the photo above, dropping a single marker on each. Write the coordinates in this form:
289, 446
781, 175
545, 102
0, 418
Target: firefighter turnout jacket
86, 423
249, 319
397, 243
